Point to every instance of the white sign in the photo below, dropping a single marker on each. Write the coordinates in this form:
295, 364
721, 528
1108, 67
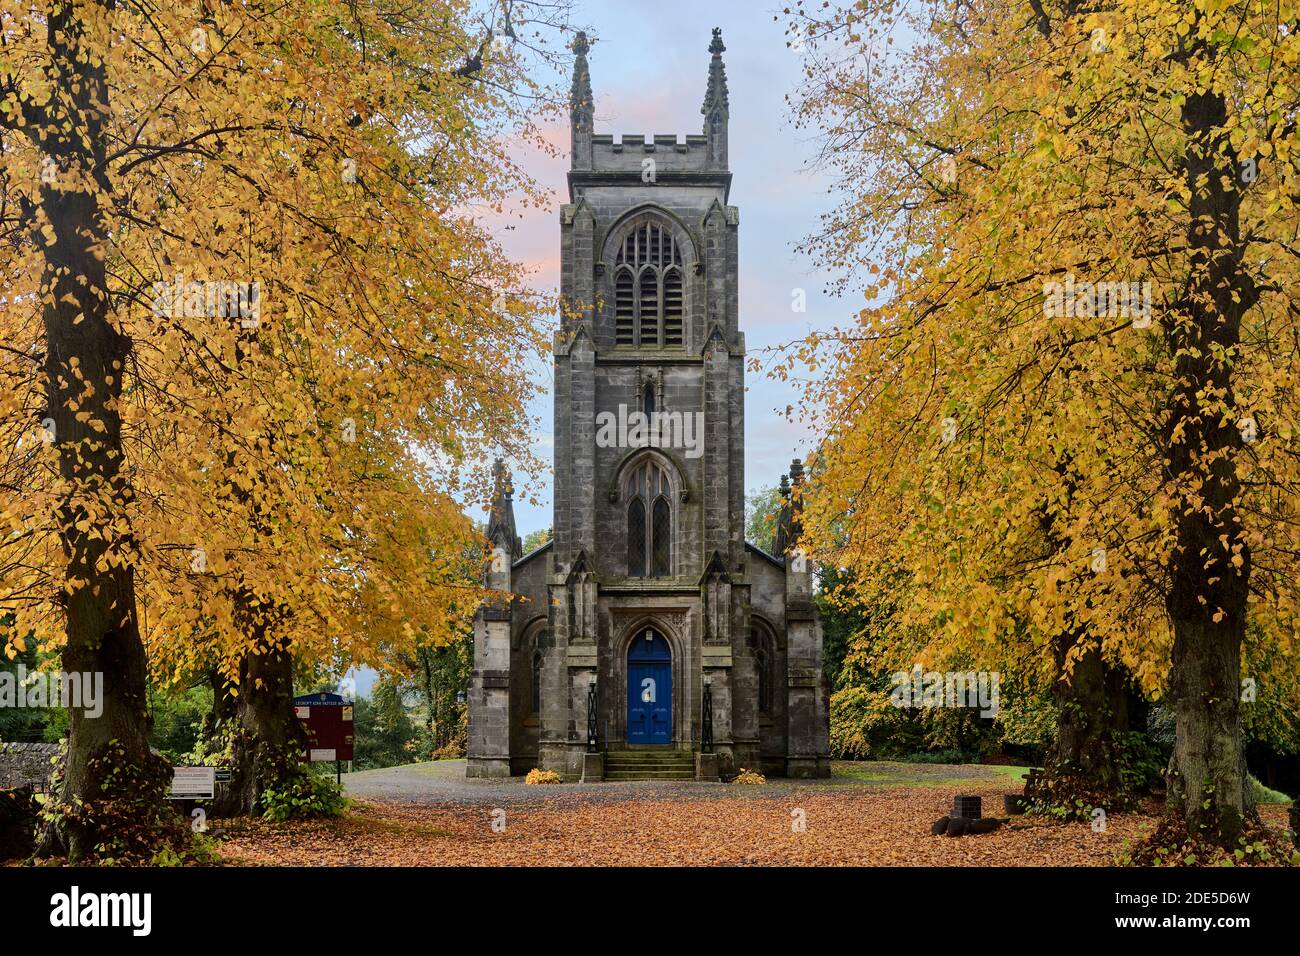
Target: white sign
302, 713
193, 783
318, 756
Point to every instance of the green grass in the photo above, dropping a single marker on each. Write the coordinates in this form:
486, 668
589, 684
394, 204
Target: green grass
1014, 774
1264, 795
897, 774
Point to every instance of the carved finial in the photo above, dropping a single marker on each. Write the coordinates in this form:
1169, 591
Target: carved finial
581, 105
715, 96
781, 537
716, 105
795, 530
501, 518
580, 100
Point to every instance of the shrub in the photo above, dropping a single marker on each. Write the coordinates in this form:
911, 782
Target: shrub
1141, 762
536, 776
1162, 728
1027, 722
137, 825
749, 777
1264, 795
306, 794
866, 726
936, 756
1171, 845
452, 750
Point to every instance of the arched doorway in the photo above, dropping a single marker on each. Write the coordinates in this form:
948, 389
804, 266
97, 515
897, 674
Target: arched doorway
649, 689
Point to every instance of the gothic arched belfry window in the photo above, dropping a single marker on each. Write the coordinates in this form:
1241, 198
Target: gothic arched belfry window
648, 494
648, 289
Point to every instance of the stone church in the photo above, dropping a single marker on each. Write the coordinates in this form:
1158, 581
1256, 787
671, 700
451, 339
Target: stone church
648, 639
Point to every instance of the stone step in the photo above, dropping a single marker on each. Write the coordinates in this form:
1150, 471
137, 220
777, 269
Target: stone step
622, 765
627, 768
650, 755
624, 775
614, 755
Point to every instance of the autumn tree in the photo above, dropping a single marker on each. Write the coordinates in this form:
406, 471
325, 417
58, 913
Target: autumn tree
256, 337
1068, 404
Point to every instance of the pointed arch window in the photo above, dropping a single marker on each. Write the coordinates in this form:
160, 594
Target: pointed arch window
661, 536
648, 493
764, 661
636, 538
648, 289
537, 682
672, 311
624, 308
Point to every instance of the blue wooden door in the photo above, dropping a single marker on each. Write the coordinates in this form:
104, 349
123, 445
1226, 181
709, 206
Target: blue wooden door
649, 690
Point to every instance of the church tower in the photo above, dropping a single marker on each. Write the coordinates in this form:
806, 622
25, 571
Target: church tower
647, 635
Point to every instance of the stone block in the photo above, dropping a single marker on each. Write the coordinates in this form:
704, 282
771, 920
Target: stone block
706, 767
593, 768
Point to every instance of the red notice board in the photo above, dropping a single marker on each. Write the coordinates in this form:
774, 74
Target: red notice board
327, 719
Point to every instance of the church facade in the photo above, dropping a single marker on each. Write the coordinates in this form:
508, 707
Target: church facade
648, 635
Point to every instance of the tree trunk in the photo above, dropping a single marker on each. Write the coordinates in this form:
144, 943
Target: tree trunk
109, 769
223, 707
1210, 564
1092, 715
431, 724
267, 741
1207, 779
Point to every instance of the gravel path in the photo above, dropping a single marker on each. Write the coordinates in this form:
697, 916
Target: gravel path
444, 783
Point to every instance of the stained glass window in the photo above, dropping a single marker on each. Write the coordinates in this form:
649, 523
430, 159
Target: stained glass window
636, 529
648, 492
661, 536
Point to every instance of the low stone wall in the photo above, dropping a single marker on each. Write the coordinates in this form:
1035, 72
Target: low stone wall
25, 765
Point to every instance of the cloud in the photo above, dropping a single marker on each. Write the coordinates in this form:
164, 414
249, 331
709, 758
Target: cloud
648, 76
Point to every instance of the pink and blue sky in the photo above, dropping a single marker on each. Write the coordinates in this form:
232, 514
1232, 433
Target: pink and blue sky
648, 75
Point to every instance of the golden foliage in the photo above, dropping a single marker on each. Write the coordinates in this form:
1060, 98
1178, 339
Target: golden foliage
296, 470
536, 777
1014, 461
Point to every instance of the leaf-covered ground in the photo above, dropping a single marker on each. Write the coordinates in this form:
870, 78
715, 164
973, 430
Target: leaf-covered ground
848, 822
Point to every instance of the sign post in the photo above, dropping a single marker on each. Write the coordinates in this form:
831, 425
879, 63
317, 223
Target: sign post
193, 783
327, 721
